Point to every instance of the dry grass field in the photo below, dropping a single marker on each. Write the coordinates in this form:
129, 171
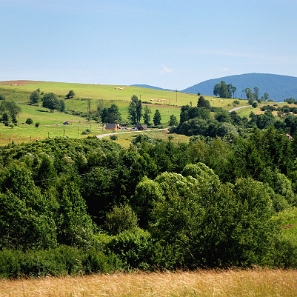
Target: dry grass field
257, 282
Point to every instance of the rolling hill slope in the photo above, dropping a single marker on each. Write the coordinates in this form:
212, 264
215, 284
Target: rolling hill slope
278, 87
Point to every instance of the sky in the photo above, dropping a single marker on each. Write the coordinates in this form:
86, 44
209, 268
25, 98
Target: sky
169, 44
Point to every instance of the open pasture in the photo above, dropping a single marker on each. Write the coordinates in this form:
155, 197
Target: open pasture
50, 125
202, 283
105, 92
115, 93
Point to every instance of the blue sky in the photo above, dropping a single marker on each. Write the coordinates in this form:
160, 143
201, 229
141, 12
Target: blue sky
169, 44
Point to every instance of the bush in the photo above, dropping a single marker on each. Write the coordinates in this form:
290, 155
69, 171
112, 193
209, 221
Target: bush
61, 261
95, 262
113, 137
29, 121
285, 255
85, 132
133, 247
37, 124
10, 264
120, 219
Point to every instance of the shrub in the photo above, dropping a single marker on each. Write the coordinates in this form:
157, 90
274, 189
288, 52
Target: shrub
29, 121
85, 132
120, 219
113, 137
37, 124
95, 262
133, 247
61, 261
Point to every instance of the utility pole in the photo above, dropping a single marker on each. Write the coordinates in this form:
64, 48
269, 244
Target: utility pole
89, 109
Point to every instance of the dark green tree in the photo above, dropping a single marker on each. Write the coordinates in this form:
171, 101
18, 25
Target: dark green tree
111, 114
249, 95
157, 118
70, 94
62, 106
29, 121
75, 227
51, 102
135, 110
173, 120
35, 97
100, 107
11, 109
223, 116
26, 216
120, 219
256, 93
45, 174
223, 90
146, 115
202, 102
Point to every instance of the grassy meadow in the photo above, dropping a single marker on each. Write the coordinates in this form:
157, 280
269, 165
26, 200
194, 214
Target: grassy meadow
257, 282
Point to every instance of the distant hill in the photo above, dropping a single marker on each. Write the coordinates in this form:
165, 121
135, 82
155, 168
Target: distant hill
279, 87
148, 87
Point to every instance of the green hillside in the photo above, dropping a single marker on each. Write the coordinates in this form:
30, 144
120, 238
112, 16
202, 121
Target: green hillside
51, 124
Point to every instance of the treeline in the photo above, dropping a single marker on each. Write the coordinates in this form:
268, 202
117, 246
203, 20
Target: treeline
224, 90
156, 205
216, 122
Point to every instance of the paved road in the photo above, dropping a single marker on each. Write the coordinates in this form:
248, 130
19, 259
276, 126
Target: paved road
239, 107
112, 133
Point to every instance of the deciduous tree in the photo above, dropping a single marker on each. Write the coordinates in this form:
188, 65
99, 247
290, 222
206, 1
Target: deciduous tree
70, 94
146, 115
135, 110
51, 102
35, 97
11, 109
157, 118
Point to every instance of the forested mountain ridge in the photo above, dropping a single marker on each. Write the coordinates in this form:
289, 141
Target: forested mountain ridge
279, 87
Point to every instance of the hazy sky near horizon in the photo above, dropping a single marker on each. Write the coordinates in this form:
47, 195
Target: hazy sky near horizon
169, 44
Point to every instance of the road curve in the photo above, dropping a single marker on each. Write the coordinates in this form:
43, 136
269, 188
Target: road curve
239, 107
113, 133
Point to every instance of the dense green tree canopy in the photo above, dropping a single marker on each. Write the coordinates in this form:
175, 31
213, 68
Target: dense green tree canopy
209, 202
51, 102
9, 110
111, 114
223, 90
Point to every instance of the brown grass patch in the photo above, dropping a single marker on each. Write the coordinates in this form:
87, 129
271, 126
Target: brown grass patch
200, 283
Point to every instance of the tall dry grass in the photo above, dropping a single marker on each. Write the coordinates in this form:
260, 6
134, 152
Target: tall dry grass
256, 282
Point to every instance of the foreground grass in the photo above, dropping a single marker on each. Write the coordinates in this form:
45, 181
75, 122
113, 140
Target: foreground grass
200, 283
